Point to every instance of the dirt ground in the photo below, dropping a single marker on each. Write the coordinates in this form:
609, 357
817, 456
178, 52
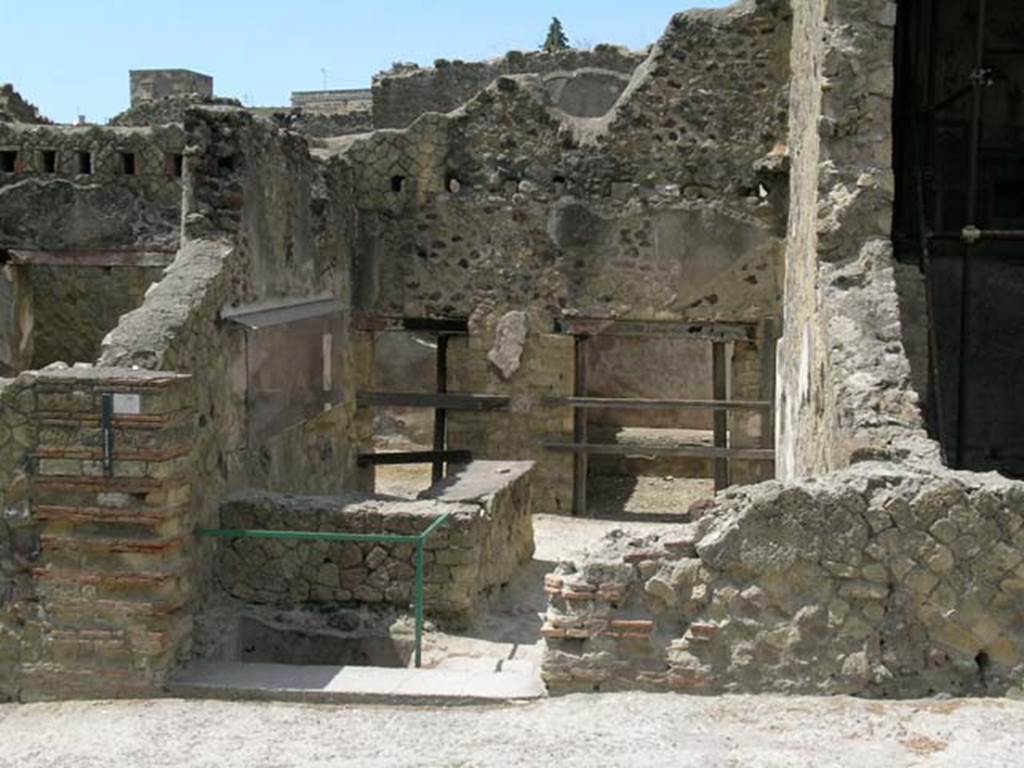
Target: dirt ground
631, 729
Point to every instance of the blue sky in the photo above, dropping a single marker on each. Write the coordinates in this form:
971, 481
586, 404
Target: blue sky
70, 57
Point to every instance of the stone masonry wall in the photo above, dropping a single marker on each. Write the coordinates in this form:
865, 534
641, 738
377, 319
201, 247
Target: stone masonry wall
671, 207
96, 577
845, 388
74, 308
263, 222
488, 538
15, 109
402, 94
885, 574
879, 582
545, 369
95, 207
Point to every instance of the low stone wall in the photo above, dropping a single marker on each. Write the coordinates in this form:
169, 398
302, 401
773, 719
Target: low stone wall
95, 567
881, 582
489, 536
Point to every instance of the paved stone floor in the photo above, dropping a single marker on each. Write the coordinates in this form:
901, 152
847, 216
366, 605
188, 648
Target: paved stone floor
583, 730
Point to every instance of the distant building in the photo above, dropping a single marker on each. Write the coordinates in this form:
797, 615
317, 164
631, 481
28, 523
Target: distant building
334, 102
152, 84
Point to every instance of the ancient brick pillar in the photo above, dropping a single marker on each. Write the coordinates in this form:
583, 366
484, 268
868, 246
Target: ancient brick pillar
110, 528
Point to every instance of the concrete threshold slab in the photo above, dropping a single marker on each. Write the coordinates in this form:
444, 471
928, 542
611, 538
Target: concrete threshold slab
353, 685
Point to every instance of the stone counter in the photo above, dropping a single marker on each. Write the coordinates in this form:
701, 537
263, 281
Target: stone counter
488, 537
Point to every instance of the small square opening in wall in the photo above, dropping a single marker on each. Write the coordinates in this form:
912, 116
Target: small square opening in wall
48, 160
83, 163
397, 184
128, 163
8, 160
175, 165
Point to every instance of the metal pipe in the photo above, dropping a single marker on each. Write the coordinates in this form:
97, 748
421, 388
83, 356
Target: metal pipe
418, 603
977, 84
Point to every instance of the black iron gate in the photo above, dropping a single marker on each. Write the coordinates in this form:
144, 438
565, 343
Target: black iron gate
959, 157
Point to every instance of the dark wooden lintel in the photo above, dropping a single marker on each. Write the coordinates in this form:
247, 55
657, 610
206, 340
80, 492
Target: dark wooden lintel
111, 258
697, 330
644, 404
369, 321
697, 451
414, 457
451, 401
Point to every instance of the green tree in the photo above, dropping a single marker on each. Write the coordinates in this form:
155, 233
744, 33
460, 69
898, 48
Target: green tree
556, 40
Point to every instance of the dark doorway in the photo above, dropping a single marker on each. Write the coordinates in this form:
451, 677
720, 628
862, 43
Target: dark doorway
959, 161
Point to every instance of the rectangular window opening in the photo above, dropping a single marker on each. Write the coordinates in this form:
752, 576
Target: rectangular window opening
177, 165
48, 160
128, 163
83, 163
8, 161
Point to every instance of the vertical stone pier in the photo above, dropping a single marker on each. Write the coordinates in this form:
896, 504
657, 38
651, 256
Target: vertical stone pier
98, 538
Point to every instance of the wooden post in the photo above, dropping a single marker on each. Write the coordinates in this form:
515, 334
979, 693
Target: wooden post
767, 343
440, 414
579, 430
720, 418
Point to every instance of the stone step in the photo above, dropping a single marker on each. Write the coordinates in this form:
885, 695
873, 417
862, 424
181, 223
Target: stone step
350, 684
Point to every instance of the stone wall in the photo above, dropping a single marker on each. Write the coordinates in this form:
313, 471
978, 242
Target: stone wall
669, 208
488, 538
845, 387
16, 336
402, 94
15, 109
96, 576
880, 582
75, 307
169, 109
885, 574
56, 200
154, 84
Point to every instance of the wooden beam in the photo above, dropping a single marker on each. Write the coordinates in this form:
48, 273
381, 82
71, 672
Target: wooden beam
369, 321
579, 430
414, 457
644, 404
720, 423
768, 345
451, 401
111, 258
696, 451
698, 331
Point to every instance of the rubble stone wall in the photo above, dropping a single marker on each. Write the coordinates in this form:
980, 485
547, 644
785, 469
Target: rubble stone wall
96, 578
402, 94
15, 109
668, 208
480, 548
884, 574
74, 308
104, 209
881, 582
845, 386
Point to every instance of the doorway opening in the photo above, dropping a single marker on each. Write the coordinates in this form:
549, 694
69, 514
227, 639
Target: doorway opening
959, 216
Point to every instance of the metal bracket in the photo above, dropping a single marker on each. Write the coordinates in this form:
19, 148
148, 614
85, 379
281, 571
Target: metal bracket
107, 426
970, 234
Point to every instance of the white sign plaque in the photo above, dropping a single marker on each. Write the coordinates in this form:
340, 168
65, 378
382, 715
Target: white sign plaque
128, 404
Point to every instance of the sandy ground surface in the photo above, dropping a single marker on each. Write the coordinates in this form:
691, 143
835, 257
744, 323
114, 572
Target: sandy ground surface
632, 729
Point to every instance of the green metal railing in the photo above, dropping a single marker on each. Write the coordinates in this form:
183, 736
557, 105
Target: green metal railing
363, 538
